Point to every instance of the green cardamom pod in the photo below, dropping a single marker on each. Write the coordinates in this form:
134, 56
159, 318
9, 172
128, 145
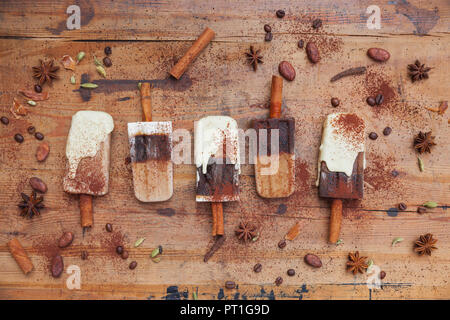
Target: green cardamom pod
80, 56
88, 85
156, 260
72, 80
194, 295
430, 204
138, 242
97, 62
31, 103
139, 85
101, 71
155, 252
396, 240
421, 165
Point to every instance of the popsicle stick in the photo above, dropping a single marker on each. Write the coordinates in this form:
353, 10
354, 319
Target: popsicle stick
217, 210
146, 102
197, 47
276, 97
87, 218
335, 220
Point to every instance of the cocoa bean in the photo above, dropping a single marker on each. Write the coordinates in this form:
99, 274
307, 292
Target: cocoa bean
378, 54
42, 151
312, 52
286, 70
57, 266
65, 240
313, 260
38, 185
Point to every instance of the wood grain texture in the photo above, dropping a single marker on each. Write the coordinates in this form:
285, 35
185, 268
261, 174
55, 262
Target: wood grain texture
220, 82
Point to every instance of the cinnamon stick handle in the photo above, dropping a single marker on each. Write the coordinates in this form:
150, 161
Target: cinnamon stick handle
276, 97
19, 254
335, 220
146, 102
199, 44
218, 208
214, 216
87, 218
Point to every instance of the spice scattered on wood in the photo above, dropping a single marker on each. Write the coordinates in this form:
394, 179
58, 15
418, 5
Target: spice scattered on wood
387, 131
57, 266
4, 120
417, 71
42, 151
84, 255
257, 268
18, 110
443, 106
425, 244
301, 44
379, 99
370, 101
312, 52
139, 242
108, 50
286, 70
424, 141
107, 62
194, 295
267, 28
373, 136
38, 185
253, 57
35, 96
421, 210
397, 240
349, 72
382, 275
119, 249
37, 88
291, 272
402, 206
313, 260
230, 285
31, 103
101, 71
19, 138
278, 281
293, 231
317, 23
124, 255
67, 62
88, 85
245, 231
72, 79
335, 102
30, 206
45, 72
378, 54
80, 56
39, 136
20, 255
421, 165
268, 37
97, 62
280, 14
133, 265
430, 204
66, 240
282, 244
356, 263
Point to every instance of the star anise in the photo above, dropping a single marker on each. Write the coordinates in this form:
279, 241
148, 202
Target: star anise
418, 71
246, 231
253, 57
31, 205
45, 72
356, 263
425, 244
423, 142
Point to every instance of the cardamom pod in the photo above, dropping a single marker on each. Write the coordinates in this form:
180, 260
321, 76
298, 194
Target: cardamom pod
156, 260
97, 62
72, 79
421, 165
31, 103
88, 85
80, 56
139, 85
138, 242
396, 240
430, 204
194, 295
101, 71
155, 252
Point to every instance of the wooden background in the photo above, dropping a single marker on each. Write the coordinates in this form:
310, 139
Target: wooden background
147, 37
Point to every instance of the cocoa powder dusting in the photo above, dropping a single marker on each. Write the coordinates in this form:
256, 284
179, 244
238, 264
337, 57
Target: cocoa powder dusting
351, 126
378, 173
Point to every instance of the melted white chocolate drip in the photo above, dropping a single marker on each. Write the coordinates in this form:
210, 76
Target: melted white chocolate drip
88, 130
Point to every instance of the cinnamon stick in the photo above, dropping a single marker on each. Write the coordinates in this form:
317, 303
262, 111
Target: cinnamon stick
217, 208
199, 44
19, 254
214, 216
146, 102
87, 218
276, 97
335, 220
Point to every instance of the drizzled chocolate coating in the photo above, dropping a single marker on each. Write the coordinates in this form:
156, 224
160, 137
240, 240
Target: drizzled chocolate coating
286, 129
155, 146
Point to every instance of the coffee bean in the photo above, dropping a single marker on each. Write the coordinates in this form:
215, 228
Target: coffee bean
39, 136
124, 255
4, 120
119, 249
280, 14
421, 210
313, 260
31, 130
38, 185
108, 51
286, 70
301, 43
402, 206
379, 99
395, 173
57, 266
267, 28
373, 136
282, 244
387, 131
257, 268
230, 284
312, 52
18, 137
335, 102
160, 249
42, 151
268, 36
382, 275
107, 62
370, 101
278, 281
291, 272
133, 265
65, 240
378, 54
317, 24
84, 255
109, 227
37, 88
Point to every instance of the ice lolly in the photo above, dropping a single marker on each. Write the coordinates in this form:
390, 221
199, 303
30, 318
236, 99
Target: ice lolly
341, 164
216, 153
275, 159
88, 155
150, 151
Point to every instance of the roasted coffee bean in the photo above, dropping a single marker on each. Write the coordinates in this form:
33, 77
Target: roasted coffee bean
313, 260
230, 285
39, 136
379, 99
371, 101
109, 227
421, 210
402, 206
119, 249
278, 281
65, 240
108, 51
38, 185
18, 137
107, 62
378, 54
387, 131
267, 28
281, 14
37, 88
31, 130
373, 136
282, 244
268, 36
291, 272
42, 151
301, 43
124, 255
286, 70
317, 24
133, 265
257, 268
312, 52
160, 249
84, 255
335, 102
57, 266
382, 275
4, 120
